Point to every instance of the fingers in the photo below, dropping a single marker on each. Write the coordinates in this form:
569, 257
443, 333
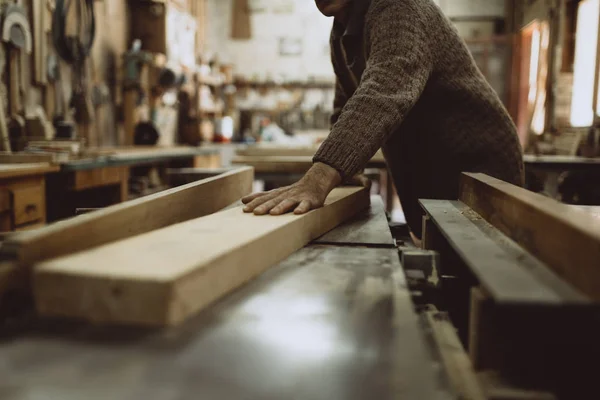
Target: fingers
259, 200
360, 180
284, 207
364, 181
268, 206
303, 207
250, 197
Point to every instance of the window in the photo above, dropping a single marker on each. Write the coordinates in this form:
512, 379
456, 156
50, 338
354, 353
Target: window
584, 70
535, 40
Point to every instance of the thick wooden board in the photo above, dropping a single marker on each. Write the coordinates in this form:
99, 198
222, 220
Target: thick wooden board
594, 211
455, 360
369, 228
163, 277
510, 274
128, 219
276, 164
564, 238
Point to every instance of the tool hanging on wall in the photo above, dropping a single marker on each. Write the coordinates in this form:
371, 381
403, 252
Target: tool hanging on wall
17, 33
73, 44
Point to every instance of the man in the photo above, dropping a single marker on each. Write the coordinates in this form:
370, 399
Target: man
406, 83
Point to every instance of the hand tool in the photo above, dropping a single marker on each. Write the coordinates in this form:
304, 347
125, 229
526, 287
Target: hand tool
16, 32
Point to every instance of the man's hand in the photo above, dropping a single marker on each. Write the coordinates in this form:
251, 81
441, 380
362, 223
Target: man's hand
308, 193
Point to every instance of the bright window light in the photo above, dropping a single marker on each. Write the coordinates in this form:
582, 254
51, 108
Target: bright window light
586, 43
540, 45
534, 62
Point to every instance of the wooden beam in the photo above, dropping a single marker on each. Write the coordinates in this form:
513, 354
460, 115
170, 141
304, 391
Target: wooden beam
510, 274
455, 360
276, 164
564, 238
130, 218
163, 277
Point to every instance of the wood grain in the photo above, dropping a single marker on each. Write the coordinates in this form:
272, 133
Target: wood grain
130, 218
29, 203
455, 360
165, 276
511, 275
276, 164
564, 238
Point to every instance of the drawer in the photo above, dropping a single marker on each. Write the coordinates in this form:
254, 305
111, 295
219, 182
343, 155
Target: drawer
88, 179
28, 204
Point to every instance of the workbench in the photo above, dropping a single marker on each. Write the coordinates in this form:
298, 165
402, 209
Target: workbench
23, 195
103, 180
552, 166
332, 321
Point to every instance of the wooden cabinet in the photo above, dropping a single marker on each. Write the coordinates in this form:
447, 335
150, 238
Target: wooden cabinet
23, 196
29, 202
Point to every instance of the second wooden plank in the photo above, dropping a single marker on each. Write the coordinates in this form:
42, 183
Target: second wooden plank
128, 219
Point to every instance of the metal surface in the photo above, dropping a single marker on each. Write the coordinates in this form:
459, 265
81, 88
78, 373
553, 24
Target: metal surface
330, 322
327, 324
368, 228
561, 163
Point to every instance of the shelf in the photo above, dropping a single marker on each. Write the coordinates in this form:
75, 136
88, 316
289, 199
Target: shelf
286, 85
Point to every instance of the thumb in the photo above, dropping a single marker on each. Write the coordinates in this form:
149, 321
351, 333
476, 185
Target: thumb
360, 180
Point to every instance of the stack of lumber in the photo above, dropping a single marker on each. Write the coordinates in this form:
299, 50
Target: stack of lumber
159, 259
162, 277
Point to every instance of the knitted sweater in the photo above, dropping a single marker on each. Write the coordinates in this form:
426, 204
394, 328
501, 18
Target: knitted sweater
407, 83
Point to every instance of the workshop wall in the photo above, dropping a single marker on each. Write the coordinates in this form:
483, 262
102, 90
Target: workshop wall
296, 22
104, 69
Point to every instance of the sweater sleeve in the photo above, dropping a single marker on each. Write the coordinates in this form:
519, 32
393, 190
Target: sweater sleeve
339, 101
398, 68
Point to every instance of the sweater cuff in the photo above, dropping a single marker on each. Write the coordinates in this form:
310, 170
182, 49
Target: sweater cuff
340, 157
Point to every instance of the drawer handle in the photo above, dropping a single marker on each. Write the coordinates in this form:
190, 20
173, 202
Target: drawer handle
30, 208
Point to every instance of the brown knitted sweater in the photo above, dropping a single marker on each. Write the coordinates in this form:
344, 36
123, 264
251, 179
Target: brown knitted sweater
407, 83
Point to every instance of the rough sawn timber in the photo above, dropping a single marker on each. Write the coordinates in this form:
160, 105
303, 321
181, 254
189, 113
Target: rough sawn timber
128, 219
163, 277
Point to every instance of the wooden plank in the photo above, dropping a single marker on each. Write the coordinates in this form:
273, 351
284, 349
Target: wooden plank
594, 211
8, 171
265, 150
565, 239
510, 274
177, 176
456, 363
369, 228
130, 218
485, 351
162, 277
279, 164
285, 164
